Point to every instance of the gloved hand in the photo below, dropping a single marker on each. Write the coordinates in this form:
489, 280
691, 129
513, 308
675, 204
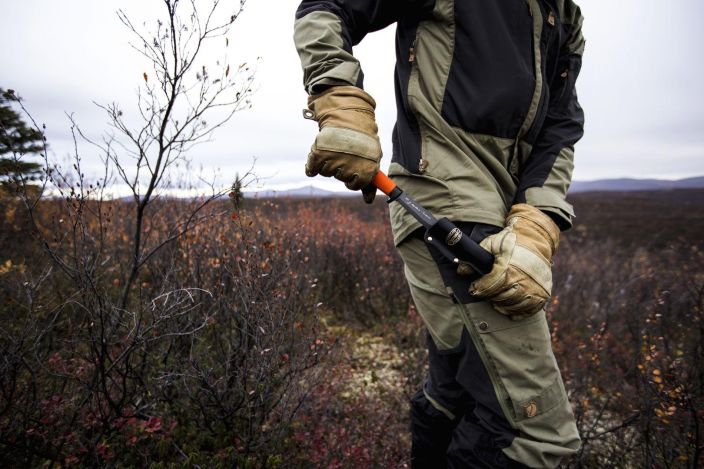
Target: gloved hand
520, 282
347, 146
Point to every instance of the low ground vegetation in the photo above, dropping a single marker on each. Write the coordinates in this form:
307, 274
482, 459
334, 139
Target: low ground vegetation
282, 334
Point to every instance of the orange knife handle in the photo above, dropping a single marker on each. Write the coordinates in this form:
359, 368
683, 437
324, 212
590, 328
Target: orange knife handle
383, 183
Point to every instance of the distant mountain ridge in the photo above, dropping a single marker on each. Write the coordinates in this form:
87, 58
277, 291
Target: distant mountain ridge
298, 193
629, 185
600, 185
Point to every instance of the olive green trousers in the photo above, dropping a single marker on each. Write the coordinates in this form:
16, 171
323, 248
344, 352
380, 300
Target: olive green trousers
494, 396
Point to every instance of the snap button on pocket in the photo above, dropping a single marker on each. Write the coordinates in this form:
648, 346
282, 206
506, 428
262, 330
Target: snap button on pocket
483, 325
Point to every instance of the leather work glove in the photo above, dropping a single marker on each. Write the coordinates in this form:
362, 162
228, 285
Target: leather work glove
347, 146
520, 282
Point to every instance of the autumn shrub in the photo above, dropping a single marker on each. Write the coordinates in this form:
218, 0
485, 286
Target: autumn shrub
626, 319
207, 364
354, 269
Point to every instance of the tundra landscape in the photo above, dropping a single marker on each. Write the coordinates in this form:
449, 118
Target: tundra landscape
280, 333
158, 315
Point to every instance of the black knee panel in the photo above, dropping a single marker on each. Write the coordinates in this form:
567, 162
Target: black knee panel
431, 432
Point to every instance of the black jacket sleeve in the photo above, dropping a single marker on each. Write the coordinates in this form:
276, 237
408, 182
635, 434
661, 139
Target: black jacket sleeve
547, 174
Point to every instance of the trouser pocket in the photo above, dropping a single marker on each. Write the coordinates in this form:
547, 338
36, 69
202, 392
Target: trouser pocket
430, 295
522, 354
526, 376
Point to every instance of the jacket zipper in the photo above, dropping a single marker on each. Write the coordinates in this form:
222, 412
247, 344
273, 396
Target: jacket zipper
413, 75
534, 9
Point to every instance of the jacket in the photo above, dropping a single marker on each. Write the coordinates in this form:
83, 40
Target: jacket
487, 112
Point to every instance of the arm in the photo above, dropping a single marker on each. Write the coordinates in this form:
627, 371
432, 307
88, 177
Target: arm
324, 34
547, 173
520, 282
347, 146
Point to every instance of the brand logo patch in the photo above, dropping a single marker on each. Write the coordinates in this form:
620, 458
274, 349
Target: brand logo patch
531, 409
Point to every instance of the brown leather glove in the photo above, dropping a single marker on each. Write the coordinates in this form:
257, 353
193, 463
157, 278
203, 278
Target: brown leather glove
520, 282
347, 146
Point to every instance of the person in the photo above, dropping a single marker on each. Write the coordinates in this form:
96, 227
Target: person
487, 120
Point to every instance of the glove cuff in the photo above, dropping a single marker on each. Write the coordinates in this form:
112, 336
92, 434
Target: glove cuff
528, 221
344, 106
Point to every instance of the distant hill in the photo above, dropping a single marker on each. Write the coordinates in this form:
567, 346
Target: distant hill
298, 193
627, 185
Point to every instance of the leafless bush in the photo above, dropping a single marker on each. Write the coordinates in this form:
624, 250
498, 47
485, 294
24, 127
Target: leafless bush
212, 360
151, 329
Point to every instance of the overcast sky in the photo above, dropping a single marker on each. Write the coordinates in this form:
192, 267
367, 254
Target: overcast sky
640, 84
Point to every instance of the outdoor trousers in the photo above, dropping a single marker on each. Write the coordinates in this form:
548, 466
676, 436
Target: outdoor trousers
493, 397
